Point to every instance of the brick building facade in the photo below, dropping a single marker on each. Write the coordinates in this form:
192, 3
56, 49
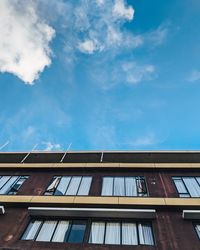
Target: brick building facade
100, 200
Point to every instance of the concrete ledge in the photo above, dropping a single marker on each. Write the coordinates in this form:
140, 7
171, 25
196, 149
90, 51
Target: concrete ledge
93, 212
191, 214
2, 210
100, 165
182, 202
146, 201
100, 200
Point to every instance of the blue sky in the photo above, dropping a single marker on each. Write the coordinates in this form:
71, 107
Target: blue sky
99, 75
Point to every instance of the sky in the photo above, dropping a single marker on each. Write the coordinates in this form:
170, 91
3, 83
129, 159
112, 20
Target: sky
99, 75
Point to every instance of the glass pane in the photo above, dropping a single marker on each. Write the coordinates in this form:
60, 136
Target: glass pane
112, 233
148, 235
77, 232
97, 233
180, 186
46, 230
197, 227
73, 186
3, 180
107, 187
192, 186
131, 188
85, 186
119, 186
62, 187
140, 232
198, 180
61, 231
145, 234
17, 185
129, 234
31, 230
8, 185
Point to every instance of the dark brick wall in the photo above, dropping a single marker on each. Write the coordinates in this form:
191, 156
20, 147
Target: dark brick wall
171, 231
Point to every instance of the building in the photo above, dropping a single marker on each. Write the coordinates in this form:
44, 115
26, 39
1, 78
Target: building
100, 200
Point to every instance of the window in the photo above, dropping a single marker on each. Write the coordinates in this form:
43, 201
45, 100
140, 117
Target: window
121, 233
72, 231
124, 186
69, 185
187, 186
197, 228
99, 232
11, 184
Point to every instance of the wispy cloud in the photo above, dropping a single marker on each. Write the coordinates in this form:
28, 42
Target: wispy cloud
92, 26
157, 36
24, 41
49, 146
105, 137
145, 140
25, 128
28, 133
122, 72
194, 76
136, 73
100, 25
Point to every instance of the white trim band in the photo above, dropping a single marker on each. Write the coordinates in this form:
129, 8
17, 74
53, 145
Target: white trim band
93, 212
191, 214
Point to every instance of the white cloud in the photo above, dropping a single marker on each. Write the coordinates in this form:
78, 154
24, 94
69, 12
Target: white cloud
24, 40
92, 26
194, 76
50, 146
122, 11
88, 46
136, 73
97, 26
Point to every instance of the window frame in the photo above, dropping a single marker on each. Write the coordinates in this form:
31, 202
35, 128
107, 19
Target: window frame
57, 219
121, 221
139, 177
71, 176
194, 223
87, 231
13, 184
181, 178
